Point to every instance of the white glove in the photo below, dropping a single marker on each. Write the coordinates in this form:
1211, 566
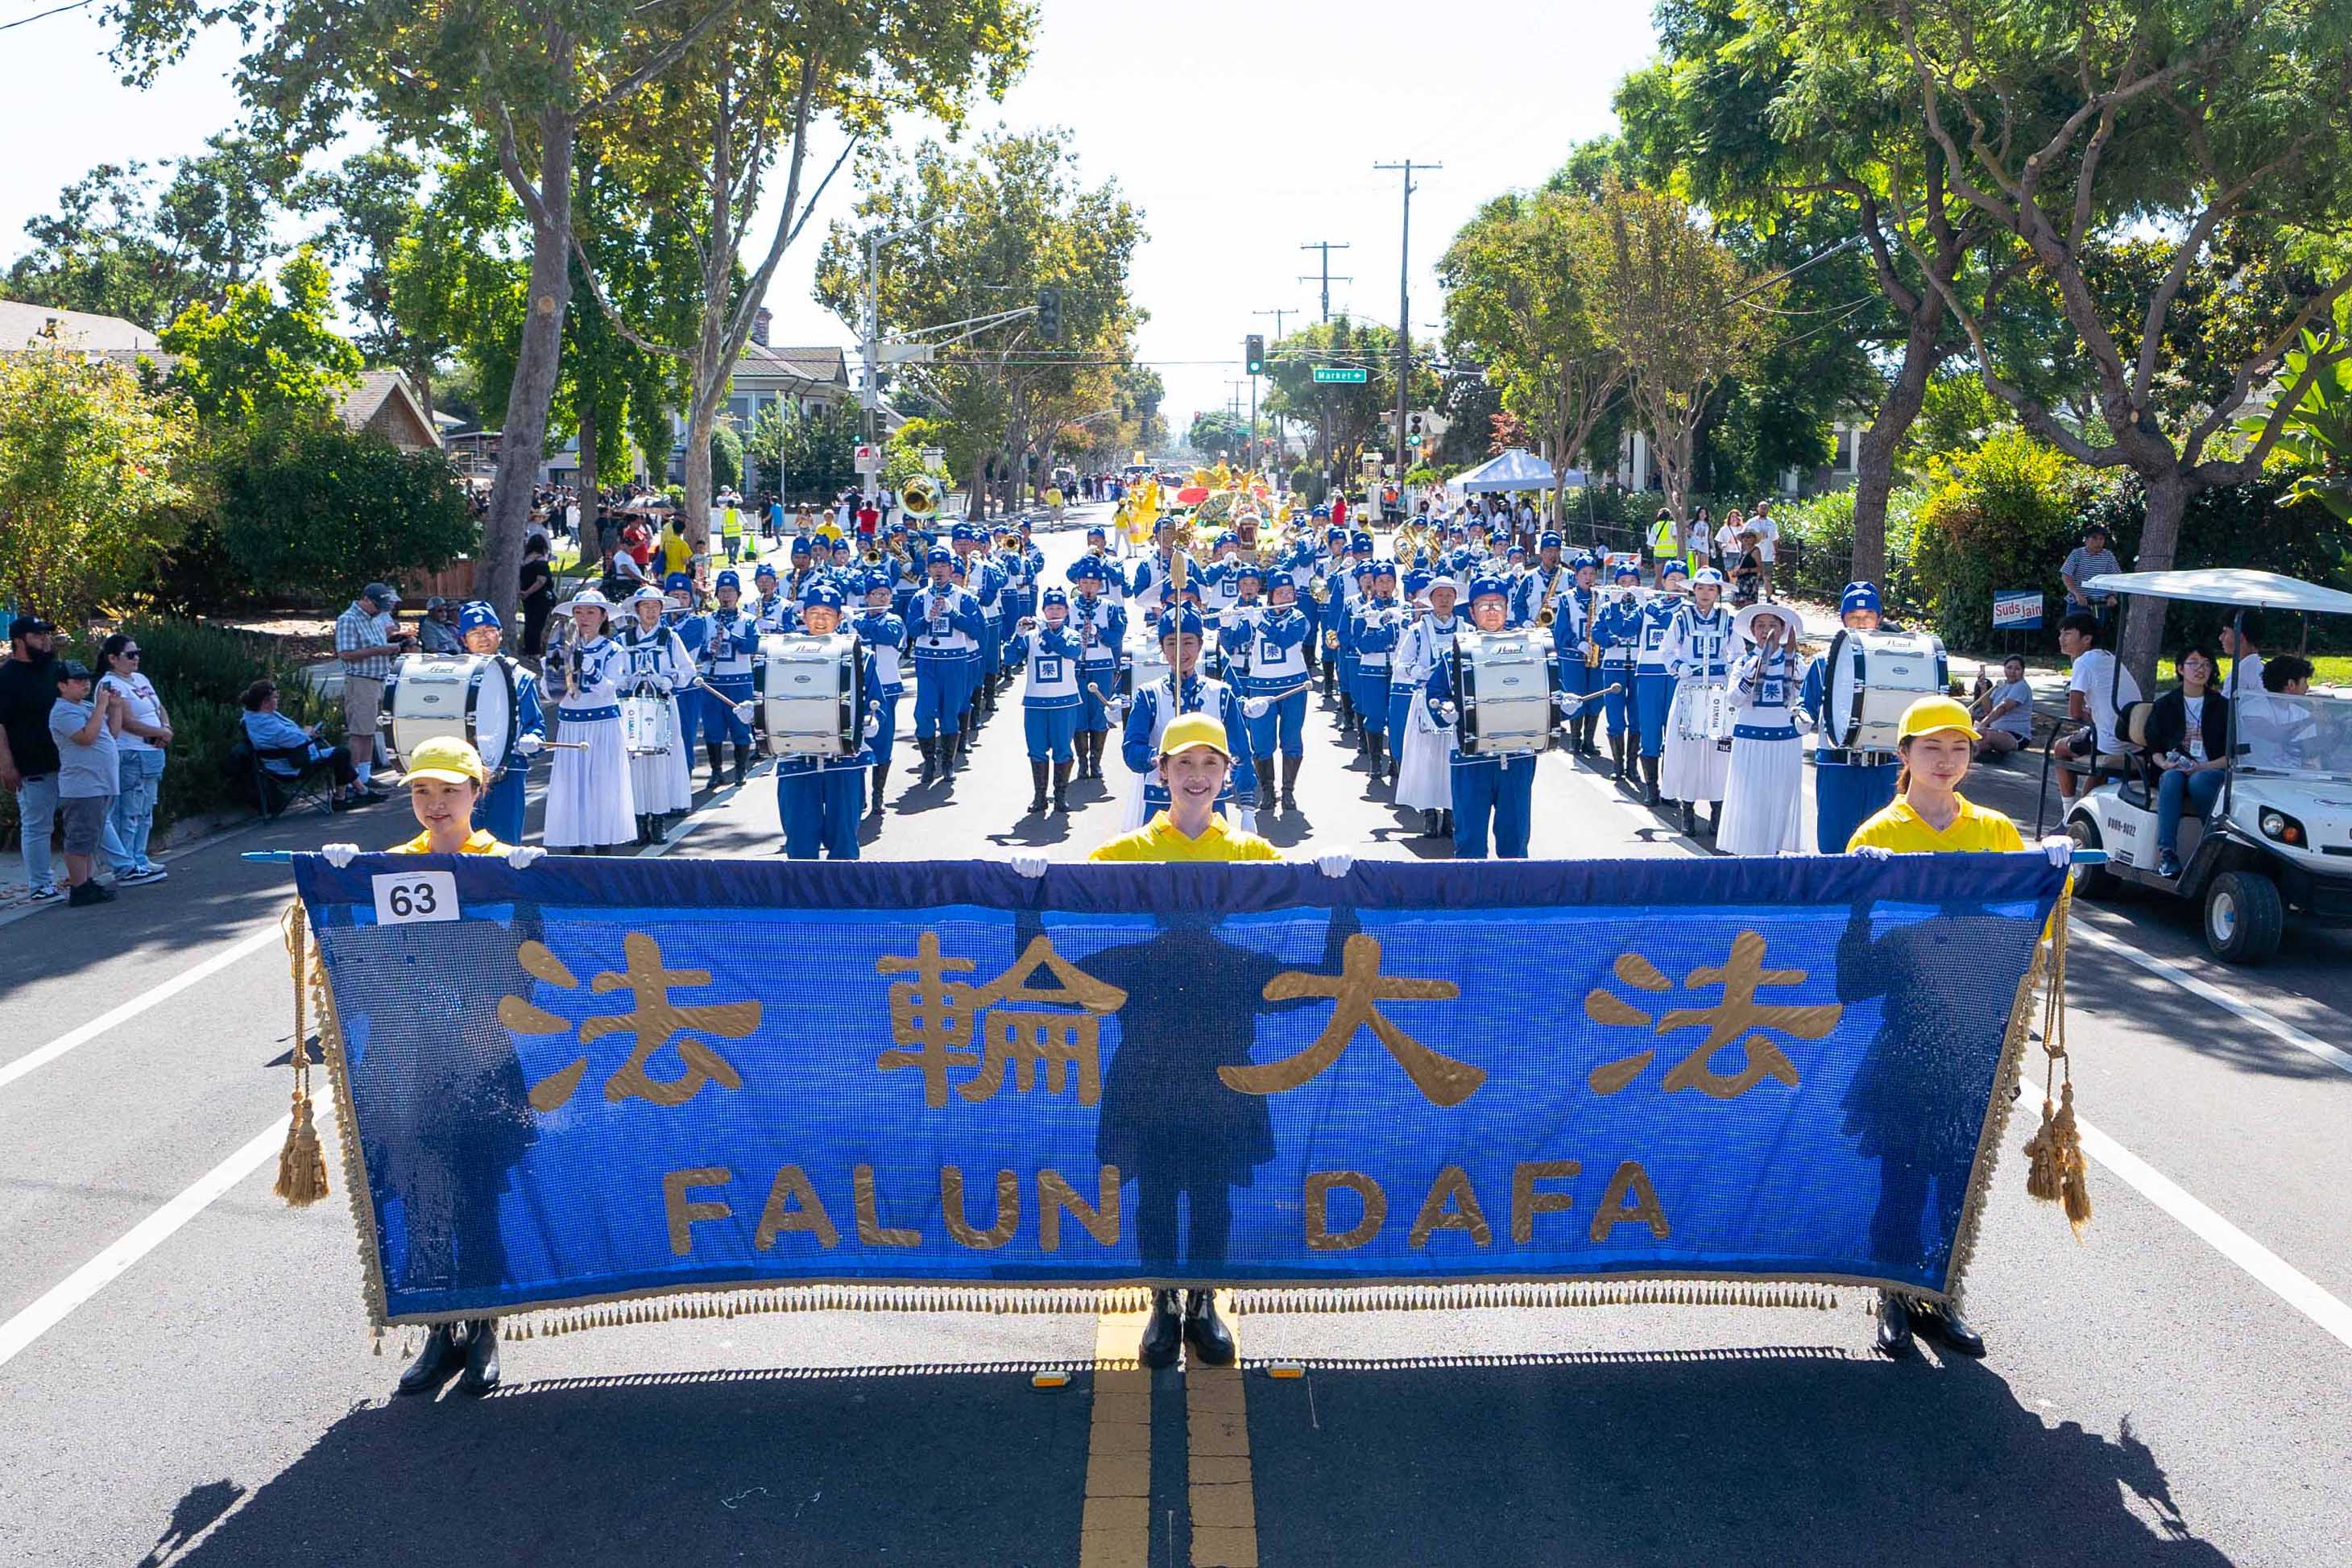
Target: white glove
1030, 865
1248, 815
873, 726
1564, 702
522, 857
743, 712
528, 746
339, 855
1871, 852
1338, 863
1449, 711
2060, 849
1256, 707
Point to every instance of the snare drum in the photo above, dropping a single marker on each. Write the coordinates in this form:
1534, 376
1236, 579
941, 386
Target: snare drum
453, 696
1507, 686
647, 729
1147, 663
1872, 677
1703, 713
811, 695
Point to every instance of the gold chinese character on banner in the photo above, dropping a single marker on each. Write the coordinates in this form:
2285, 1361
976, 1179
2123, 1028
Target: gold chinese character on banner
1740, 976
933, 1020
1356, 991
655, 1021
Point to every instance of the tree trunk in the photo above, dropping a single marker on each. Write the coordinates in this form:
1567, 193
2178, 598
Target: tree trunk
1875, 456
702, 417
587, 461
523, 441
2142, 638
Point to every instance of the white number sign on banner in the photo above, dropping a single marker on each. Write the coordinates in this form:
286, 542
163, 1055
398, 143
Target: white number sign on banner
415, 895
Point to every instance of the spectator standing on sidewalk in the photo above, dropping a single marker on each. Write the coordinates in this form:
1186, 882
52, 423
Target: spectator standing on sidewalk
141, 732
81, 727
2087, 560
28, 758
535, 585
1767, 546
367, 639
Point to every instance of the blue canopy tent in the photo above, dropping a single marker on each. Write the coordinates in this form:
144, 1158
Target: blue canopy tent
1516, 469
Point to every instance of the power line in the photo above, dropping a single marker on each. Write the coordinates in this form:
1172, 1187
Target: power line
53, 11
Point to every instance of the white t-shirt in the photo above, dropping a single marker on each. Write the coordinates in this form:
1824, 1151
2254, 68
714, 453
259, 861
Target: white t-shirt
2192, 744
2019, 720
2095, 675
139, 694
1768, 534
1726, 537
2248, 675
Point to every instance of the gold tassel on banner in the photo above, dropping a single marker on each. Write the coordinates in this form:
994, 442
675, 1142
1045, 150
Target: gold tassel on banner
2055, 1170
302, 1164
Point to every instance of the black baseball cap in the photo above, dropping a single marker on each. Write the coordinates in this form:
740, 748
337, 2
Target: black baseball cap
28, 626
70, 670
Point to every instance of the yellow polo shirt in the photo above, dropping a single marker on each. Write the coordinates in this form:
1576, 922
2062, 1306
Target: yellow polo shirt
477, 843
1904, 832
1160, 840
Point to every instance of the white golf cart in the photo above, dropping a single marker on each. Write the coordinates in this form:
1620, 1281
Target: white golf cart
2280, 838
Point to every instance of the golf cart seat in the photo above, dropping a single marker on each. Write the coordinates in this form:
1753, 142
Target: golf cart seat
2136, 771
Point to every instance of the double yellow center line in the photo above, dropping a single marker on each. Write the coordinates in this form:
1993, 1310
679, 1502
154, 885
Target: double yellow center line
1114, 1530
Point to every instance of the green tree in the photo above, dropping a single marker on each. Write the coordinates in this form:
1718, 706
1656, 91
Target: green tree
318, 510
261, 358
93, 480
372, 209
1216, 435
2165, 173
1346, 415
973, 237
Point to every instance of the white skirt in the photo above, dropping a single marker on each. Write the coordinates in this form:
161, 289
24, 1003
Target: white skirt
1424, 765
662, 781
1692, 770
1763, 800
589, 802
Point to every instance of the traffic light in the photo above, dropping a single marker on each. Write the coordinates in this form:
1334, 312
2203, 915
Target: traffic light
1414, 436
1254, 353
1049, 314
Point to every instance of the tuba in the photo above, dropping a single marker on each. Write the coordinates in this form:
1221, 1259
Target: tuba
920, 497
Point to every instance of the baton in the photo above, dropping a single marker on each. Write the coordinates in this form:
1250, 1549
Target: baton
1587, 697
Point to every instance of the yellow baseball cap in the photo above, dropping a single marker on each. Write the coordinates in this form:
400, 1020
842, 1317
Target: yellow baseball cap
1193, 729
451, 760
1929, 715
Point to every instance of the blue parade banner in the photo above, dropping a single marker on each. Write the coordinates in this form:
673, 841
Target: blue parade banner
600, 1079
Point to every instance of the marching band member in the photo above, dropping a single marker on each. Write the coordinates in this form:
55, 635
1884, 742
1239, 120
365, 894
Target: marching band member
1183, 691
1049, 652
500, 810
732, 638
774, 601
1102, 658
1114, 578
773, 609
1275, 676
946, 626
1849, 787
984, 583
1378, 624
1698, 656
1516, 575
1153, 571
1574, 612
662, 782
1403, 686
1617, 631
694, 634
1423, 746
821, 798
1546, 584
1654, 688
883, 633
1349, 594
1480, 788
912, 552
1764, 795
590, 806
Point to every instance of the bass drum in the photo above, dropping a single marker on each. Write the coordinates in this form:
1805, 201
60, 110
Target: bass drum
1507, 684
1148, 664
811, 695
1873, 676
457, 696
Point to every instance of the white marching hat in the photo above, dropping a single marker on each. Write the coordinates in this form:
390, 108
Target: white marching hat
1743, 624
590, 599
1445, 581
646, 594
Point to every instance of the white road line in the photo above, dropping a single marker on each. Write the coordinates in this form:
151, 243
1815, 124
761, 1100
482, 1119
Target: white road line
143, 1237
2289, 1283
2165, 969
42, 1055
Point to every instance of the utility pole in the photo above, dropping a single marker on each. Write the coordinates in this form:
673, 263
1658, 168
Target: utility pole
1324, 399
1404, 311
1278, 457
869, 397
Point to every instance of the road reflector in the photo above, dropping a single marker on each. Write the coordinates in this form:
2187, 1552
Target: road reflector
1049, 1380
1286, 1369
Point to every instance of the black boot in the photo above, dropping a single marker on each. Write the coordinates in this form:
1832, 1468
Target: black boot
1445, 822
1649, 780
1714, 816
1062, 788
1894, 1324
1037, 795
1690, 819
957, 747
1429, 823
718, 752
931, 750
482, 1373
1265, 785
440, 1357
1949, 1328
1205, 1332
743, 760
1165, 1334
1617, 756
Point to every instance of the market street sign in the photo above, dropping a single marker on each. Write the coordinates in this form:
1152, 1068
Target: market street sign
1351, 374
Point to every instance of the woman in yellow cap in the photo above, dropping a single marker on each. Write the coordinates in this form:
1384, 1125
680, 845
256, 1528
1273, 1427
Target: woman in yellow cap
1195, 767
444, 781
1893, 1101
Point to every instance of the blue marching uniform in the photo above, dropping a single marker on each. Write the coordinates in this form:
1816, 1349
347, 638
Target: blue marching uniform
1849, 787
734, 638
1102, 641
1272, 659
499, 811
1051, 702
1496, 788
1378, 625
885, 636
985, 583
1653, 684
821, 798
1618, 630
1139, 743
693, 631
947, 628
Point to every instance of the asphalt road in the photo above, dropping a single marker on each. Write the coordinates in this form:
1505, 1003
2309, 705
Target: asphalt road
185, 1372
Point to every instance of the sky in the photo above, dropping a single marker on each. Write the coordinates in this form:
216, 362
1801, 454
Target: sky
1243, 129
